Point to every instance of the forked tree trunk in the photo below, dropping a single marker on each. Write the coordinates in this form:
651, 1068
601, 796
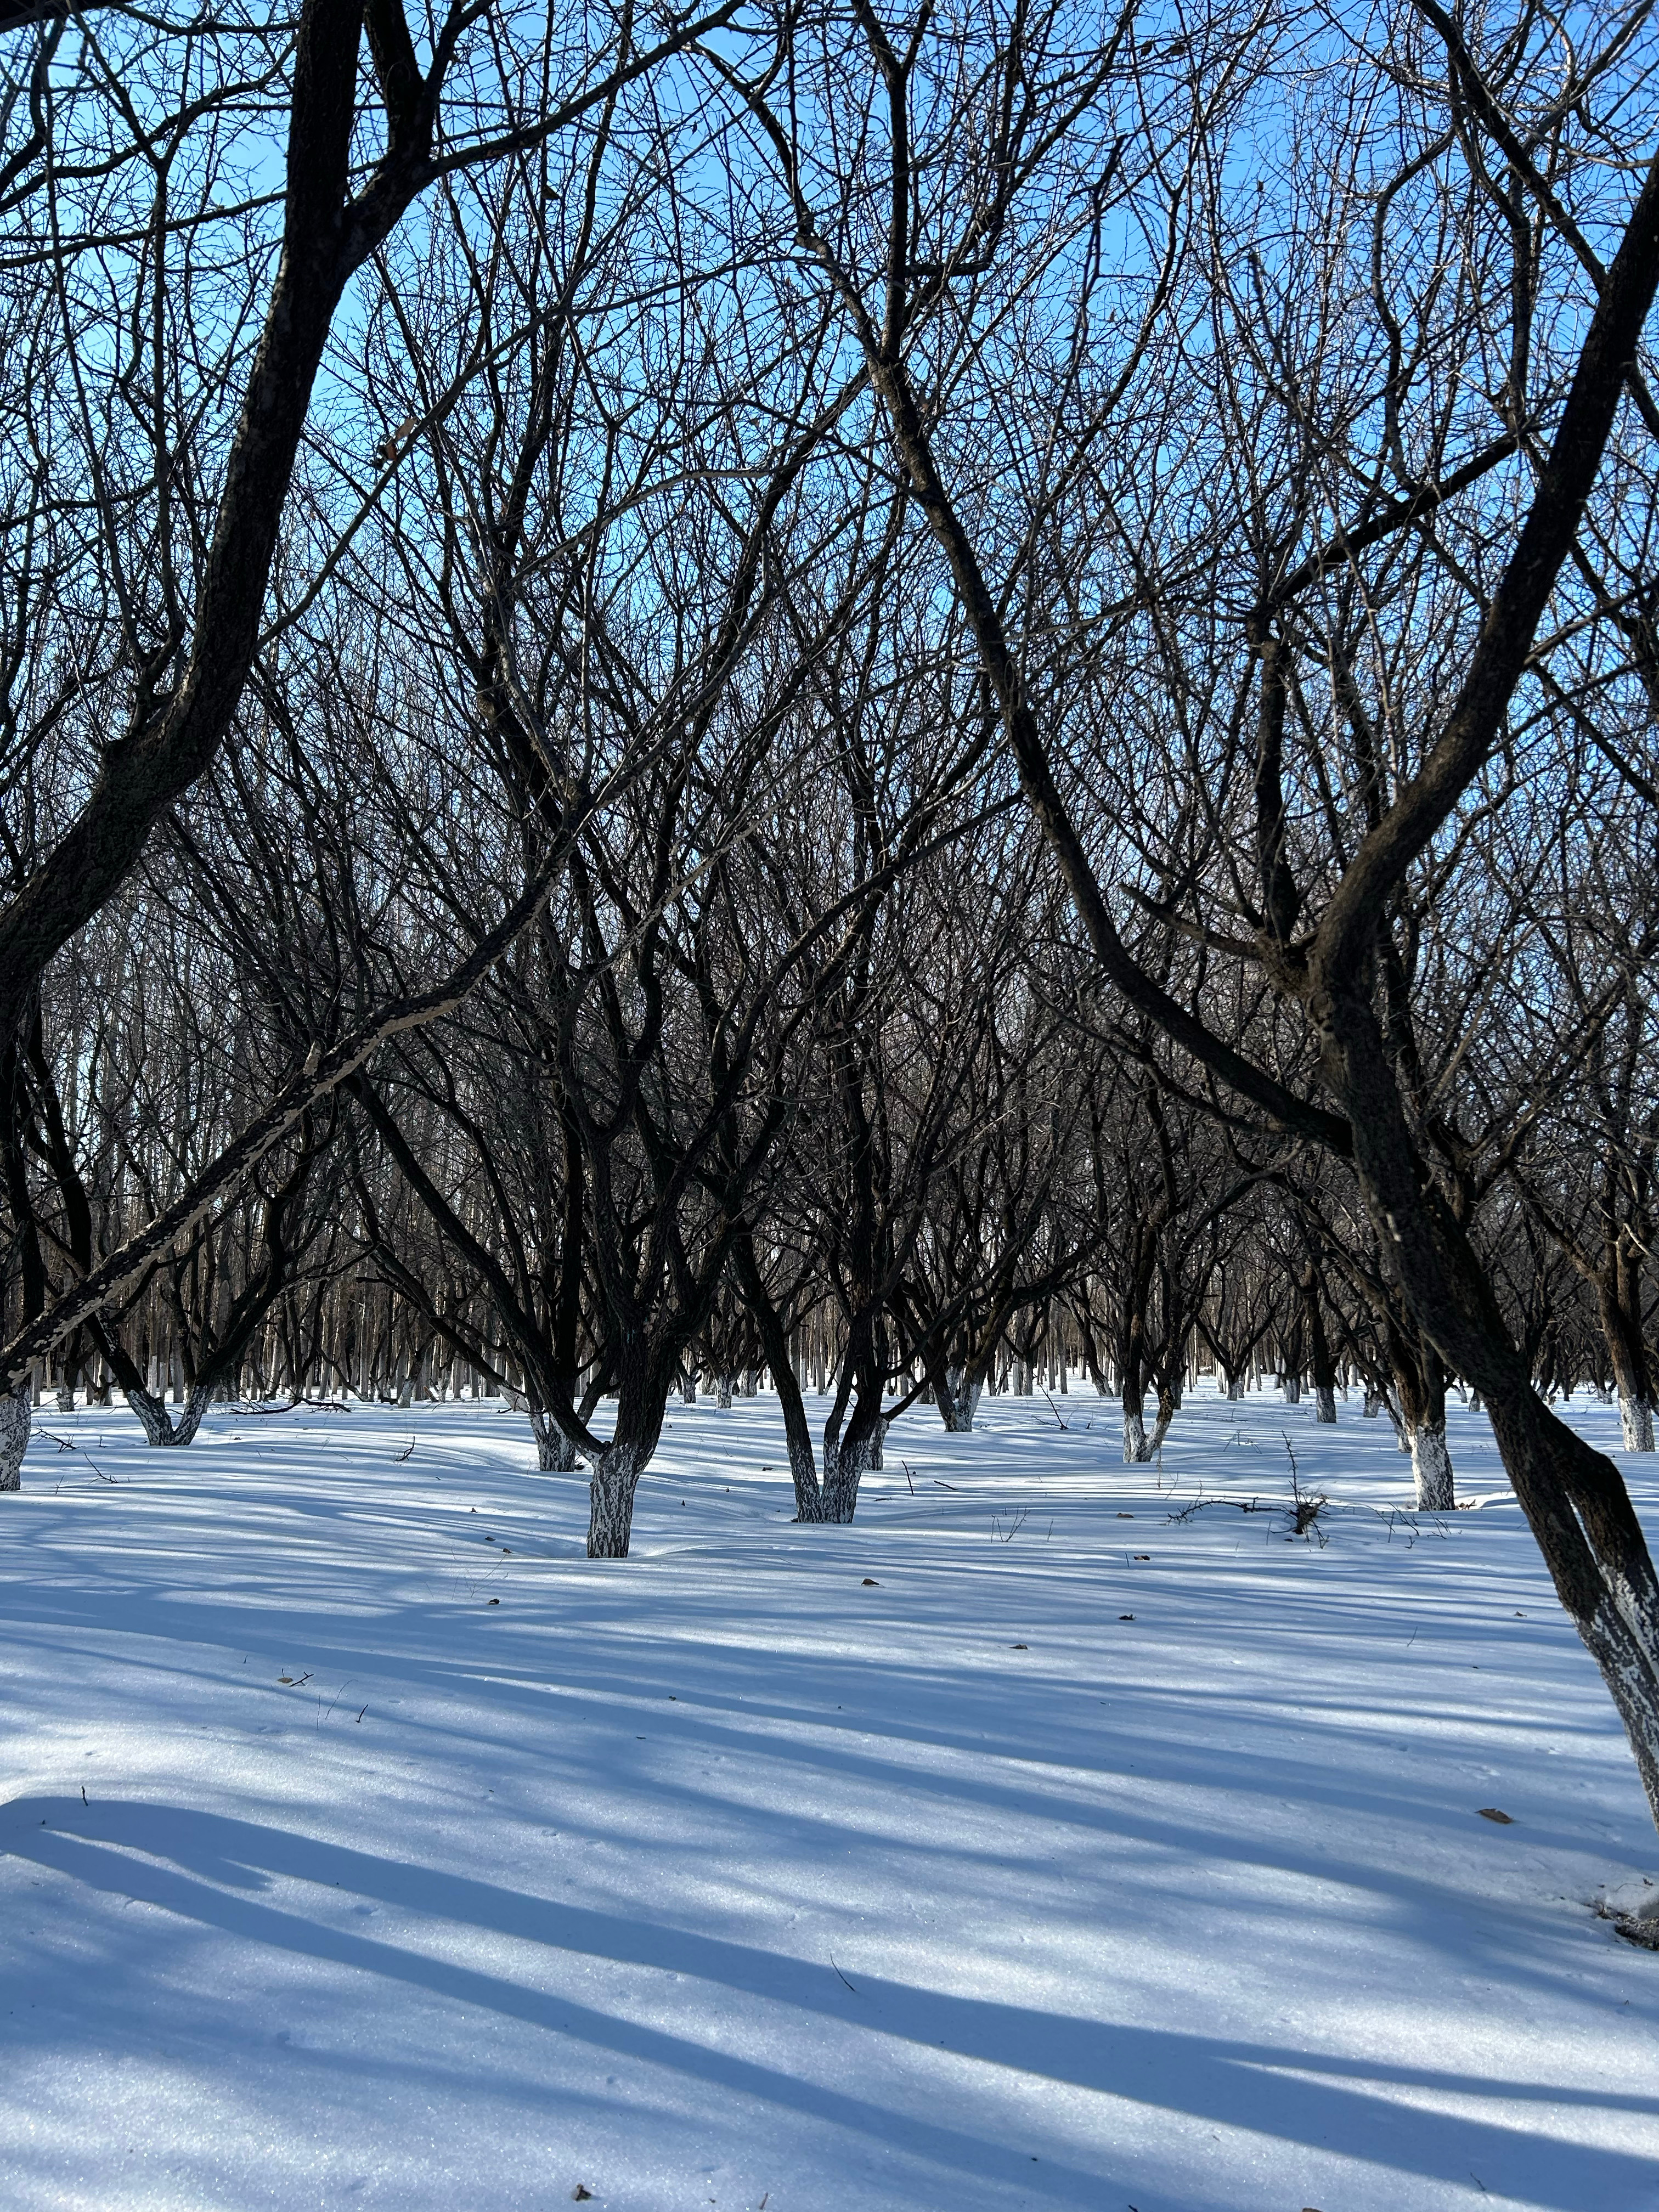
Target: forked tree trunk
13, 1436
160, 1427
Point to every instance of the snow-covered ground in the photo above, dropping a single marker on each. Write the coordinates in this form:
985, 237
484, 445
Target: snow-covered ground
1071, 1860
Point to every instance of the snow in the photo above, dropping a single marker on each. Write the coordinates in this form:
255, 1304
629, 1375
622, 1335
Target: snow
717, 1877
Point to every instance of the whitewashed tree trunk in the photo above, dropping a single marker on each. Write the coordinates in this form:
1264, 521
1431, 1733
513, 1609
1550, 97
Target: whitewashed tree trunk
960, 1401
1160, 1429
1292, 1389
1636, 1420
1235, 1386
1134, 1436
723, 1392
1431, 1467
1325, 1402
13, 1436
751, 1382
1374, 1403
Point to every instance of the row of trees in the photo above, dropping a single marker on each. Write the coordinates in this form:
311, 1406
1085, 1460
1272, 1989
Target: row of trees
1006, 1191
673, 688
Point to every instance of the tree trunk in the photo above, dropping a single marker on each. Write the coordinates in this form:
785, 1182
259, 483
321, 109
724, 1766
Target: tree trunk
723, 1392
1621, 1326
197, 1399
1135, 1448
1419, 1392
844, 1463
1636, 1420
611, 1511
1581, 1514
958, 1401
555, 1453
1168, 1405
151, 1413
1431, 1467
13, 1436
1319, 1348
159, 1425
804, 1472
803, 1465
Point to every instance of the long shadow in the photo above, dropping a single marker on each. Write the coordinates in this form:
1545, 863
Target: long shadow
583, 1676
202, 1867
519, 1678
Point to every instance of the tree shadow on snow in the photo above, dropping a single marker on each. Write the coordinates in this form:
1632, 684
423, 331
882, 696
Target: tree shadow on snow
211, 1870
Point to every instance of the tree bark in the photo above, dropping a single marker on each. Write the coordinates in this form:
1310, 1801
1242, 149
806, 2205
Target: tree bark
610, 1509
775, 1342
15, 1419
161, 1428
845, 1463
555, 1452
1135, 1448
958, 1400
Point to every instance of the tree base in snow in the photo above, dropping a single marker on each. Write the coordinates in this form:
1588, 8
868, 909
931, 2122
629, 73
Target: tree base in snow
1633, 1908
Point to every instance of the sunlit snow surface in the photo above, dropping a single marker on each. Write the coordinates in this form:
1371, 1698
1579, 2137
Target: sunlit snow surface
719, 1878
